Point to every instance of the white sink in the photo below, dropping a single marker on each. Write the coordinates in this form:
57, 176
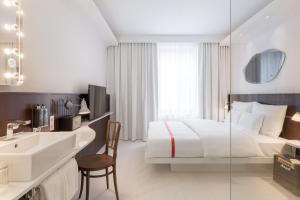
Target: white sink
29, 155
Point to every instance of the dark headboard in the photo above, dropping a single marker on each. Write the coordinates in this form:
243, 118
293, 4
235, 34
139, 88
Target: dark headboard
291, 129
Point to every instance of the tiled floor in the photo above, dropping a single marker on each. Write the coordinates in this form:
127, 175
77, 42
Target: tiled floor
140, 181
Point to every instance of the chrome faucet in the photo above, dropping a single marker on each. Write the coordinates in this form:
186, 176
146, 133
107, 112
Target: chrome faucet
13, 126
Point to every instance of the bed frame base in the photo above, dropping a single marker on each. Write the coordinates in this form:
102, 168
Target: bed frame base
234, 168
250, 160
249, 165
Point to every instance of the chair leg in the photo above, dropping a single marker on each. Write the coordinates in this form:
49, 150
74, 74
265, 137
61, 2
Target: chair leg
115, 181
81, 184
107, 180
87, 190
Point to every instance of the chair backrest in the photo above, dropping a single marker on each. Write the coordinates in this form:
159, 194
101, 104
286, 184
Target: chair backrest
112, 137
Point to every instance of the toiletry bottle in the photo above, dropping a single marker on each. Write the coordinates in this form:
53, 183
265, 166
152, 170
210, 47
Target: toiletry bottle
45, 115
39, 116
35, 116
9, 131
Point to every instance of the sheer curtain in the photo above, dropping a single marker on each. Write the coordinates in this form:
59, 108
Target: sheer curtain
178, 92
193, 80
214, 80
132, 85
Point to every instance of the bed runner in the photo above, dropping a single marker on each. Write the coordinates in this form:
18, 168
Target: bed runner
172, 140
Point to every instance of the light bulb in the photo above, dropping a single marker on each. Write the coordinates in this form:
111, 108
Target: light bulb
20, 12
21, 55
14, 51
7, 3
8, 75
7, 27
10, 3
12, 63
11, 27
7, 51
20, 34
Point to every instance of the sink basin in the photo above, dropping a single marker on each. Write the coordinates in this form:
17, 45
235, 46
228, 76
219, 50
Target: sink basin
29, 155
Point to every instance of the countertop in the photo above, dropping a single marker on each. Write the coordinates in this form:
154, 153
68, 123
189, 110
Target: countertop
15, 190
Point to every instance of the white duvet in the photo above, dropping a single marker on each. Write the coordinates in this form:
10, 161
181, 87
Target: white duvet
200, 138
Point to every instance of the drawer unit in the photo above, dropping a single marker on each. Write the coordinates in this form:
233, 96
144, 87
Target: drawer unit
287, 173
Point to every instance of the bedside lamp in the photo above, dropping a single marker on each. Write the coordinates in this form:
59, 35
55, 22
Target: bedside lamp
296, 117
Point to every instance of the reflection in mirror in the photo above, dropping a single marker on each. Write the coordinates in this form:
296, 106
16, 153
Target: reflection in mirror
11, 43
264, 67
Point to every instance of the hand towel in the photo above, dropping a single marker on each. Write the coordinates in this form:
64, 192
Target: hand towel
53, 187
61, 185
70, 174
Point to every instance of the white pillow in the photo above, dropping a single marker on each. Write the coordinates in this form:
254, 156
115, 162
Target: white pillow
274, 116
251, 121
242, 106
235, 116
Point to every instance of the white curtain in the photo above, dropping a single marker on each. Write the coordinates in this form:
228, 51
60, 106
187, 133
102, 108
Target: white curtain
132, 85
224, 77
214, 80
177, 81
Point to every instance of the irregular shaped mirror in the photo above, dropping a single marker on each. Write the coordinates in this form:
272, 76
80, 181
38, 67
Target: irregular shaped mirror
11, 35
264, 67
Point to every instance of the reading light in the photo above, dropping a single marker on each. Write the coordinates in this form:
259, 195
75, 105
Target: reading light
84, 110
296, 117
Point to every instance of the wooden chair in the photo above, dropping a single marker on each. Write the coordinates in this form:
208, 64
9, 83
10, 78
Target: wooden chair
104, 161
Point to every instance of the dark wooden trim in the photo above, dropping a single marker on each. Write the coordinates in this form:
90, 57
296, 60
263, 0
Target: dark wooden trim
291, 129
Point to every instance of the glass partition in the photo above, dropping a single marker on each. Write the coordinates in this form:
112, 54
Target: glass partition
264, 164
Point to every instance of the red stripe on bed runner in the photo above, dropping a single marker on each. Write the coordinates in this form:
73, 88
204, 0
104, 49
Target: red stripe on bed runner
172, 140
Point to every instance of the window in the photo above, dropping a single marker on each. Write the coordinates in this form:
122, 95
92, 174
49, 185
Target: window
178, 81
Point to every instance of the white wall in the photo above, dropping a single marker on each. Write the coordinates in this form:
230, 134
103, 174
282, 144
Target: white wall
280, 31
64, 47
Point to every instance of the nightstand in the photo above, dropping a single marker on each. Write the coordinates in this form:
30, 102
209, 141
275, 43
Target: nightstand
286, 169
295, 148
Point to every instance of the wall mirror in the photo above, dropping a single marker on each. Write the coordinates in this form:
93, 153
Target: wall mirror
11, 55
264, 67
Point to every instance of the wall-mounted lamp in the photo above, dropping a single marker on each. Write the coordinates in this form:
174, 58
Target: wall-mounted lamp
296, 117
226, 107
84, 110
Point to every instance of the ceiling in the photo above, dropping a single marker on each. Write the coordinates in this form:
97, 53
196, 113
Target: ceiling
176, 17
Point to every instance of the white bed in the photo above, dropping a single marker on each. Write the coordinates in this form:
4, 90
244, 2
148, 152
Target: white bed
206, 141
